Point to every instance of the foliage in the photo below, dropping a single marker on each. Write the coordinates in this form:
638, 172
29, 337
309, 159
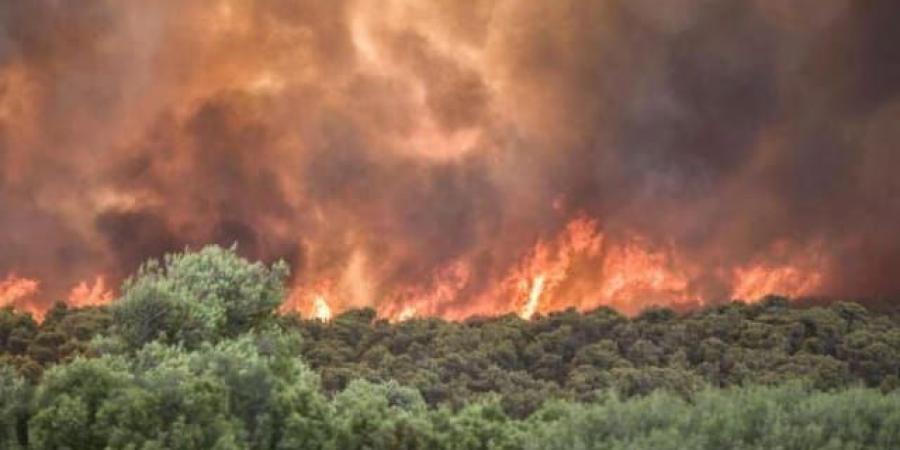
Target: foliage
789, 416
14, 398
195, 297
64, 334
244, 393
574, 356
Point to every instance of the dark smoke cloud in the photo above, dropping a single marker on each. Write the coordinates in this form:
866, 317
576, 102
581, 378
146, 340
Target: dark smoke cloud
406, 136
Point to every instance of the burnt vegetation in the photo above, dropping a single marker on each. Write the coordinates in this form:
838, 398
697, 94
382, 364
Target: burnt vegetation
195, 355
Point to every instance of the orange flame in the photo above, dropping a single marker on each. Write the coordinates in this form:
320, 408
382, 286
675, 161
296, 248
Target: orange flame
430, 300
635, 276
17, 292
95, 294
407, 80
310, 302
14, 289
549, 265
581, 267
755, 282
321, 310
534, 297
408, 313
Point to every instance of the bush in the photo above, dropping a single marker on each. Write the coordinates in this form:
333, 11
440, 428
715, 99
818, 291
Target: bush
787, 417
191, 298
243, 393
14, 397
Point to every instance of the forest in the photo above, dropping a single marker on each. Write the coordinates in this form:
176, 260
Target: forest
195, 354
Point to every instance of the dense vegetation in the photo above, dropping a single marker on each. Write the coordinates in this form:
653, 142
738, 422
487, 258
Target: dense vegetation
194, 356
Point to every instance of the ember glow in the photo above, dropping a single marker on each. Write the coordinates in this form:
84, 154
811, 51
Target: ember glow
455, 158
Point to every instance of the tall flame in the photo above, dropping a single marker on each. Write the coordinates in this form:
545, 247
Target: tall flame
534, 297
579, 268
94, 294
321, 310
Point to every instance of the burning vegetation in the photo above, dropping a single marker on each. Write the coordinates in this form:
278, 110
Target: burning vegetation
195, 356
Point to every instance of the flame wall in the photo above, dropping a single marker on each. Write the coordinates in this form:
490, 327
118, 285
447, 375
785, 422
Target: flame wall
455, 157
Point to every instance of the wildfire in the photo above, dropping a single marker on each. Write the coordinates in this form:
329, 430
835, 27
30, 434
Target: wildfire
14, 289
22, 294
581, 267
311, 301
434, 298
94, 294
584, 269
534, 297
321, 310
635, 276
752, 283
408, 313
418, 158
550, 264
18, 293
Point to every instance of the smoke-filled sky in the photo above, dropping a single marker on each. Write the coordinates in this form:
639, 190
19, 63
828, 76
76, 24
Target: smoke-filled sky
457, 157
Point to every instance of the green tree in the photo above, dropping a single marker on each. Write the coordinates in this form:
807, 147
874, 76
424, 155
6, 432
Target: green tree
250, 392
195, 297
387, 416
14, 398
68, 399
481, 425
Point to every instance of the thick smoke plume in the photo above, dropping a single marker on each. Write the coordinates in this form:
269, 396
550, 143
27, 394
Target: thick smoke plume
456, 157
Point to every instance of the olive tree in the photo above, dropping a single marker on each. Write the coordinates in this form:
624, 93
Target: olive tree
194, 297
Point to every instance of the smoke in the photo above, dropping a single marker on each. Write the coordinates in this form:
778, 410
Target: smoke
421, 157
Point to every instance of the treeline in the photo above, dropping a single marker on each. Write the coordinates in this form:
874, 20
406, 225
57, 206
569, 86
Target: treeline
194, 355
573, 355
